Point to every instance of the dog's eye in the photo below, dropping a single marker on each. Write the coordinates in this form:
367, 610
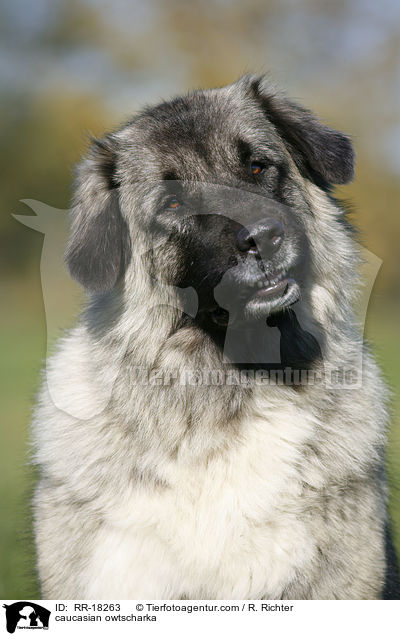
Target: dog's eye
256, 167
173, 203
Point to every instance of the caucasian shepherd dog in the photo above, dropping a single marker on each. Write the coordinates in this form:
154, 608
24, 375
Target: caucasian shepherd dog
191, 440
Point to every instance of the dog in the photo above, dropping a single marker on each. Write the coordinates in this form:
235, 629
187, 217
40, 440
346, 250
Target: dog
210, 246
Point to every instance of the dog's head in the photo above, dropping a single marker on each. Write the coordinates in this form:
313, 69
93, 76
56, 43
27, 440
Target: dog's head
218, 191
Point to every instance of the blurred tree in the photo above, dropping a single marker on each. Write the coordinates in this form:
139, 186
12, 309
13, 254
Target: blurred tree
43, 137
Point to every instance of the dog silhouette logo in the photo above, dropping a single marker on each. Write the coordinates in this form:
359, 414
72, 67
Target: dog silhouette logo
26, 615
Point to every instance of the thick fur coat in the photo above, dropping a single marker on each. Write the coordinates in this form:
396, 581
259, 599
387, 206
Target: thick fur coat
214, 490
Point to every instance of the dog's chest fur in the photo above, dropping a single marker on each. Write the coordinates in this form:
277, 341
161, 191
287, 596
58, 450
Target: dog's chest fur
222, 528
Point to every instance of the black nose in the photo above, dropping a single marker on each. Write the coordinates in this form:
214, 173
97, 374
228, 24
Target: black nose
264, 236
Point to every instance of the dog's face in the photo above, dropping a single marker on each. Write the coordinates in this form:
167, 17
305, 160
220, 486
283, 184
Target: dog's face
212, 188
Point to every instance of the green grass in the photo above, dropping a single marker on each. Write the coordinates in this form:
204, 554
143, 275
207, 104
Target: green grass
22, 345
22, 348
382, 330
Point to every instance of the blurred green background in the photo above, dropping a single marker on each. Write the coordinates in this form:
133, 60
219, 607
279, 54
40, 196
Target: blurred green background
70, 68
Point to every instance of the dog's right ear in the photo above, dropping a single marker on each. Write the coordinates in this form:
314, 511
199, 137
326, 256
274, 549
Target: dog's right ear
98, 250
319, 151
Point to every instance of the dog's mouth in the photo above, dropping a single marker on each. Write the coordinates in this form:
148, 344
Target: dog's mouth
258, 298
277, 291
271, 286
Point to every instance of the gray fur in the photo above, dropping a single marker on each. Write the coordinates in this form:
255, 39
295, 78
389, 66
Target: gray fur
207, 491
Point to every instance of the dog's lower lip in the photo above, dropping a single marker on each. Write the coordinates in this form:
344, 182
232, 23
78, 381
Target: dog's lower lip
278, 288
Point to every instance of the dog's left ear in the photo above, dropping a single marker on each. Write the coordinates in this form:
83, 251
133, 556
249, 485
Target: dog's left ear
315, 147
98, 250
